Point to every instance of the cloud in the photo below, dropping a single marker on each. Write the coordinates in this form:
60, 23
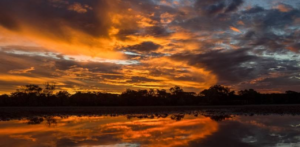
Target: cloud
79, 8
235, 29
8, 22
284, 8
145, 47
227, 65
21, 71
295, 47
215, 7
238, 66
114, 45
233, 6
65, 31
26, 137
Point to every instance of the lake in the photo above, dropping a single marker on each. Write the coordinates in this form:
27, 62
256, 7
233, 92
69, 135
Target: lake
178, 128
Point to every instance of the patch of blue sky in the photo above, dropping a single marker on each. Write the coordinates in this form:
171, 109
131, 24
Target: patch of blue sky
30, 53
271, 3
289, 55
131, 53
80, 58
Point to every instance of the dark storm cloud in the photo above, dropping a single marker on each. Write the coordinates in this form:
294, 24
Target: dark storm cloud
215, 15
273, 30
53, 15
269, 28
157, 31
8, 22
200, 27
214, 7
205, 23
236, 66
233, 6
145, 47
274, 19
266, 19
270, 40
254, 10
226, 65
286, 80
284, 83
137, 79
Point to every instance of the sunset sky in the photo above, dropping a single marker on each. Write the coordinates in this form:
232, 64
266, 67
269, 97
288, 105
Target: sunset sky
113, 45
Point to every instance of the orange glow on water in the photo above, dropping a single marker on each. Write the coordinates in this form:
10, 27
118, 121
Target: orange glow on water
154, 132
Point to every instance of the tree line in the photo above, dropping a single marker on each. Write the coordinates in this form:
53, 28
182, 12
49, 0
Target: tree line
34, 95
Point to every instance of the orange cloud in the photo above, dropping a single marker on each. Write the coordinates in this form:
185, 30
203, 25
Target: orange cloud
235, 29
283, 8
79, 8
26, 137
21, 71
102, 31
240, 23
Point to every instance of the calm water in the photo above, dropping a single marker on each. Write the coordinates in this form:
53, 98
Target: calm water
139, 130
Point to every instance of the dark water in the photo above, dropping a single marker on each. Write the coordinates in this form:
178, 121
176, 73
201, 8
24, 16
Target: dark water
153, 131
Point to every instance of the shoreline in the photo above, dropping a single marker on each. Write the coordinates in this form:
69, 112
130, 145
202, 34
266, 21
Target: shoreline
12, 113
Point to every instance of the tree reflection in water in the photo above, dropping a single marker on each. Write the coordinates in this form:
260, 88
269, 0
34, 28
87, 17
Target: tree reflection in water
166, 128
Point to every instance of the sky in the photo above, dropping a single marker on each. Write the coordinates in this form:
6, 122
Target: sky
114, 45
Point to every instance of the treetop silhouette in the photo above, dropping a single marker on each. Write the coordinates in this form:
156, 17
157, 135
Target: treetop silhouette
34, 95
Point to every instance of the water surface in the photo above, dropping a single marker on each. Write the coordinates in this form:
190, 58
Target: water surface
152, 130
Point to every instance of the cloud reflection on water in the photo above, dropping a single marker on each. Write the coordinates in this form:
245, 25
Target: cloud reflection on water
271, 130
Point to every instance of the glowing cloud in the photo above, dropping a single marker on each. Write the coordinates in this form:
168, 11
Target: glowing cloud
235, 29
284, 8
112, 45
21, 71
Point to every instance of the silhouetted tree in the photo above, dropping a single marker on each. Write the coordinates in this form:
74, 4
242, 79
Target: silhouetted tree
176, 90
250, 96
32, 89
218, 94
63, 97
4, 100
49, 89
33, 95
293, 97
